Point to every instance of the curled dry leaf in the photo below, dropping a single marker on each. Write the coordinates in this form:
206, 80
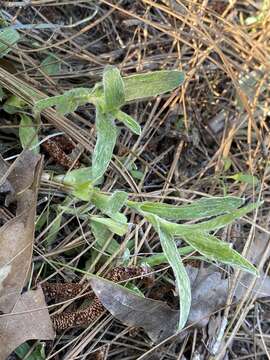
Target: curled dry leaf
16, 235
29, 320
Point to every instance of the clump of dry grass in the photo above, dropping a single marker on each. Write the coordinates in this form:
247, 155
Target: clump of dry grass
215, 126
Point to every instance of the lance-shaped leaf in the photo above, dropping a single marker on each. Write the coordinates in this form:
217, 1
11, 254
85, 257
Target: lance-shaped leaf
182, 281
151, 84
130, 123
198, 209
214, 249
106, 139
66, 103
113, 86
114, 226
213, 224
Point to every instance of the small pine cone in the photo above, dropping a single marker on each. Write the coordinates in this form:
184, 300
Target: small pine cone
121, 273
55, 151
78, 318
59, 291
64, 143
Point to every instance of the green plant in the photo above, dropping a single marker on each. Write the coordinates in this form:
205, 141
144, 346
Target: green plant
108, 97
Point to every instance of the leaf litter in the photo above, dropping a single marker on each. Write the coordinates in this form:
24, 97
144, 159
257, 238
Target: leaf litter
20, 321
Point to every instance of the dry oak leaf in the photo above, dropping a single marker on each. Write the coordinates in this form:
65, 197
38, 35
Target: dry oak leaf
17, 235
29, 320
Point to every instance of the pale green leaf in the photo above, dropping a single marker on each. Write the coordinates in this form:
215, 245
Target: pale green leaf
198, 209
182, 280
75, 177
130, 123
28, 134
27, 352
8, 38
114, 226
51, 65
113, 88
151, 84
214, 249
54, 229
117, 200
103, 237
106, 139
244, 178
212, 224
66, 103
110, 205
160, 258
83, 191
14, 104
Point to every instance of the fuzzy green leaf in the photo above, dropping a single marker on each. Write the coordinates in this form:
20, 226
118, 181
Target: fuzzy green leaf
130, 123
113, 88
66, 103
214, 249
102, 235
110, 205
8, 38
51, 65
212, 224
244, 178
106, 139
198, 209
14, 104
114, 226
28, 134
54, 229
182, 280
151, 84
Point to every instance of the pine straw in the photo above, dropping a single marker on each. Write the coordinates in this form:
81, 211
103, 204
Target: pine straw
188, 138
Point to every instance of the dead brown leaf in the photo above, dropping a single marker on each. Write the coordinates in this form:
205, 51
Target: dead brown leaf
29, 320
155, 317
16, 235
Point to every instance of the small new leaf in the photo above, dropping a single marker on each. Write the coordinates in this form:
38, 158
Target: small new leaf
66, 103
113, 88
129, 122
